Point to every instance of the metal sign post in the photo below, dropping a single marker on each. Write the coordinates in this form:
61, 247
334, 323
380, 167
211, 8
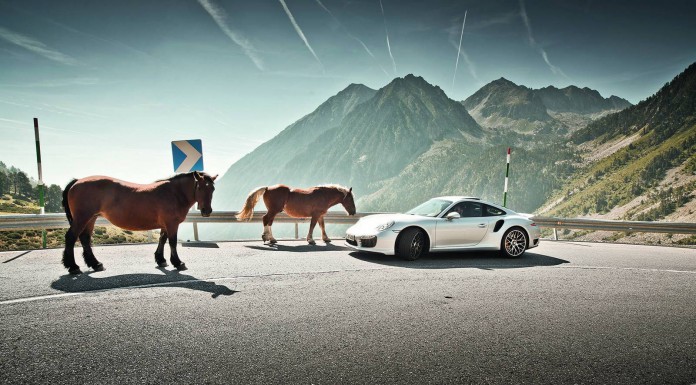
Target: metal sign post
507, 172
41, 184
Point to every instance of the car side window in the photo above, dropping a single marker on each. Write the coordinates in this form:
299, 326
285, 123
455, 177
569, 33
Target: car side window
467, 209
491, 211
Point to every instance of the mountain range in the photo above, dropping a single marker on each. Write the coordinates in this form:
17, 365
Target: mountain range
574, 152
504, 105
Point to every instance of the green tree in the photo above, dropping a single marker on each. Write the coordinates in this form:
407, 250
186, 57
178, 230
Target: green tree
54, 197
4, 183
22, 184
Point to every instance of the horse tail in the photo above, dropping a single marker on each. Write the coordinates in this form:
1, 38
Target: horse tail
65, 203
248, 209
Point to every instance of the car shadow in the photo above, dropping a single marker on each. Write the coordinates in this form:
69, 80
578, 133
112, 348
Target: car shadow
172, 278
484, 260
301, 248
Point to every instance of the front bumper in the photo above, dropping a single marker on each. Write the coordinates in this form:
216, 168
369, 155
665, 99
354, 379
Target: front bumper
371, 241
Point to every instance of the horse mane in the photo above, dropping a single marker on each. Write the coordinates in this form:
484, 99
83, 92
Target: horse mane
338, 187
182, 176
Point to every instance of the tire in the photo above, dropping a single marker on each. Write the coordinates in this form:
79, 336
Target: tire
514, 243
411, 245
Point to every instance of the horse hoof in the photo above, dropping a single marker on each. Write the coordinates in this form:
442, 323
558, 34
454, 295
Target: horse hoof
182, 267
98, 267
327, 241
162, 264
311, 242
272, 241
74, 270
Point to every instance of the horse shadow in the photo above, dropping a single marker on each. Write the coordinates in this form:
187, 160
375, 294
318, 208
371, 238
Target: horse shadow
484, 260
83, 283
302, 248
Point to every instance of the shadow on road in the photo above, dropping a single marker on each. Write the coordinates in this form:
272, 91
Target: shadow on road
85, 283
485, 260
301, 248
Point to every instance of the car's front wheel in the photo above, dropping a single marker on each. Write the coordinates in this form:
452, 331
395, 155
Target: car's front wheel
412, 244
514, 243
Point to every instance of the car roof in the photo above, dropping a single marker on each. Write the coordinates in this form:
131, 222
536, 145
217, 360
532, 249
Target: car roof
458, 198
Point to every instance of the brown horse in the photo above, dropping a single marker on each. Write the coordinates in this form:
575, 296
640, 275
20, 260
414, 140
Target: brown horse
313, 202
161, 205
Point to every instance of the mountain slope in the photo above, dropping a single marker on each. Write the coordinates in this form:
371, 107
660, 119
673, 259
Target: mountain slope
504, 105
382, 136
263, 165
649, 174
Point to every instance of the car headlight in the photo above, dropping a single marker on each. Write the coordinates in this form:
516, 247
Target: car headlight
385, 226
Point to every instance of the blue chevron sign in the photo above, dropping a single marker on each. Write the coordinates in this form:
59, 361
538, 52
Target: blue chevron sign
188, 155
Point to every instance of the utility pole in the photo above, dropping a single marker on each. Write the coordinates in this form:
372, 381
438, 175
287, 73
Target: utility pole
41, 184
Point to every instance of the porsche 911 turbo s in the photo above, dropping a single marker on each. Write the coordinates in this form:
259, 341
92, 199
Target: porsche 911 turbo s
448, 223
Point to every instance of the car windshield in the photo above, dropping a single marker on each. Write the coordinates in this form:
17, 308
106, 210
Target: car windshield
430, 208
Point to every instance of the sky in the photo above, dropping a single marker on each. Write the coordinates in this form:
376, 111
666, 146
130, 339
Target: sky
112, 83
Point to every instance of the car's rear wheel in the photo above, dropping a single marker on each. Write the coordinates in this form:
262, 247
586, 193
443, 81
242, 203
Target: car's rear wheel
412, 244
514, 243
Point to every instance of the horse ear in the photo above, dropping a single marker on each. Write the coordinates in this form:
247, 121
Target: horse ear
197, 175
214, 177
350, 190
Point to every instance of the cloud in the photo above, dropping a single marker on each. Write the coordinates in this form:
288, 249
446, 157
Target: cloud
387, 33
299, 32
54, 109
220, 18
36, 47
352, 36
496, 20
534, 44
56, 83
471, 67
459, 49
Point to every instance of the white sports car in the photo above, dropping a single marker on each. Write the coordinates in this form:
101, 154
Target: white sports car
447, 223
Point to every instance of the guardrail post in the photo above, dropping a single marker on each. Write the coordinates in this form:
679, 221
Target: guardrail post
555, 234
195, 231
297, 230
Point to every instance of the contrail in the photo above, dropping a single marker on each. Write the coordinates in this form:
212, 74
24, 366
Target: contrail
36, 46
220, 18
534, 44
461, 36
352, 36
299, 32
387, 33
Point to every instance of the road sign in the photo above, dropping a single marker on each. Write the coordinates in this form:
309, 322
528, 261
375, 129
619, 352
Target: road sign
188, 155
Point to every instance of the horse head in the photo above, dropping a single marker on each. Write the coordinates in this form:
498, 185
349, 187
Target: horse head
348, 202
203, 192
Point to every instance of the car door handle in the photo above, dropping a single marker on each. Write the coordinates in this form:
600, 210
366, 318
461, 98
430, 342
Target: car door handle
482, 225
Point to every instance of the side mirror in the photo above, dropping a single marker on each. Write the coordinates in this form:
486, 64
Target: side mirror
453, 215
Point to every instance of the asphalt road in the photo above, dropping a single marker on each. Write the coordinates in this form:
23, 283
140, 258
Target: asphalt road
246, 313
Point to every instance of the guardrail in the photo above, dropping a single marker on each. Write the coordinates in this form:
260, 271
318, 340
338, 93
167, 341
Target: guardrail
52, 221
612, 225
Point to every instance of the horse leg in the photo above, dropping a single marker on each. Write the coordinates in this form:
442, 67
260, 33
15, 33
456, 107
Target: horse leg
267, 230
323, 230
159, 253
86, 241
176, 262
70, 238
312, 223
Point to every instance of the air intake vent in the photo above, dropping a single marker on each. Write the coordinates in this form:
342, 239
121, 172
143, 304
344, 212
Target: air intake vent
498, 225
